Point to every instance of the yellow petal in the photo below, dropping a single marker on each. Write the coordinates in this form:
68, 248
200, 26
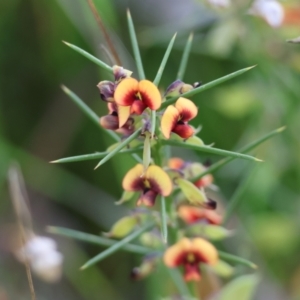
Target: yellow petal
187, 109
133, 180
169, 120
159, 180
150, 94
126, 91
173, 254
123, 114
205, 250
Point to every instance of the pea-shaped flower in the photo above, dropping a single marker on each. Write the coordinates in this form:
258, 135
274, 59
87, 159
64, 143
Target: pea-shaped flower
191, 214
151, 182
136, 96
175, 118
190, 253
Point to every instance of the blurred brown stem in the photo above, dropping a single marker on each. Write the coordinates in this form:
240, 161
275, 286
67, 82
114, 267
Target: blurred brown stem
104, 31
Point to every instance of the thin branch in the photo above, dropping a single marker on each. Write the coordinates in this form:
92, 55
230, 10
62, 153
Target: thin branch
104, 31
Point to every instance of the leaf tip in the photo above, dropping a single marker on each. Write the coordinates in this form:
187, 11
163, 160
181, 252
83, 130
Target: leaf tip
64, 88
99, 164
82, 267
283, 128
249, 68
258, 160
51, 229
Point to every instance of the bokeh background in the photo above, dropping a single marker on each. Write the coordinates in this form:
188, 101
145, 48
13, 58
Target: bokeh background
38, 123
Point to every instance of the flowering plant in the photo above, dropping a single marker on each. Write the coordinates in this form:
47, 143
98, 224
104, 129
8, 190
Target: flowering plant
176, 221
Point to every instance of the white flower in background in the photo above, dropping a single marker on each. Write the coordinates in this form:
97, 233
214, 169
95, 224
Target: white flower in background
45, 261
270, 10
220, 3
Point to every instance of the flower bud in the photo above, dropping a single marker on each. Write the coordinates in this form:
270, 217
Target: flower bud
122, 227
211, 232
222, 269
194, 195
146, 268
107, 89
177, 88
120, 73
151, 239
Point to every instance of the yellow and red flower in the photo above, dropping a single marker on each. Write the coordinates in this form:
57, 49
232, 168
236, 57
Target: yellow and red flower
191, 214
190, 253
151, 182
136, 96
175, 118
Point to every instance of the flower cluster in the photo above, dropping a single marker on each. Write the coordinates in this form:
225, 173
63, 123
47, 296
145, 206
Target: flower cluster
130, 104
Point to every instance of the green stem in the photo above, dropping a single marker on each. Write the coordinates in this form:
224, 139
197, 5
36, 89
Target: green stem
153, 123
164, 219
179, 282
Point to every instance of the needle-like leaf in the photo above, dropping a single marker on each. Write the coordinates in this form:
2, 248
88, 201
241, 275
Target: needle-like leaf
119, 148
95, 239
135, 46
87, 111
206, 86
210, 150
224, 161
117, 246
164, 219
236, 259
92, 156
185, 57
92, 58
164, 61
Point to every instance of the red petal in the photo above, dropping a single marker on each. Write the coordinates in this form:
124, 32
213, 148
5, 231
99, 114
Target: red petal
147, 198
183, 130
137, 107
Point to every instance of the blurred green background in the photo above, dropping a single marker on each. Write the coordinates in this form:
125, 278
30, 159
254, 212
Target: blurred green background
38, 123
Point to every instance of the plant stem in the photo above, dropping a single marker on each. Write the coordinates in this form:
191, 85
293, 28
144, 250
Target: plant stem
104, 31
